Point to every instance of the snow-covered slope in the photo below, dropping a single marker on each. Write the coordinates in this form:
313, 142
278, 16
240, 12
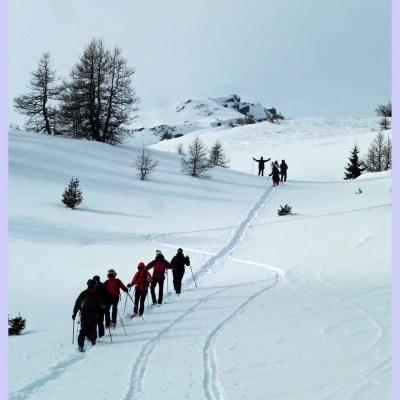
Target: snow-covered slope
314, 148
291, 308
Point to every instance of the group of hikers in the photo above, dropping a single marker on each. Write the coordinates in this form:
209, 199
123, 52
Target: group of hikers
278, 171
95, 303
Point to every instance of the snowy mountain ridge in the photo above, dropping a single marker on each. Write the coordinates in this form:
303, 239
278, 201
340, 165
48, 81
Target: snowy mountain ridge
196, 114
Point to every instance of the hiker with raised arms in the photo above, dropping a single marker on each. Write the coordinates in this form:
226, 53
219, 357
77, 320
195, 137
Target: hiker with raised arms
261, 165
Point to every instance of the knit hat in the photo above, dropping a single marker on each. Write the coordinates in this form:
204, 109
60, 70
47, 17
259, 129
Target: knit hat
180, 250
141, 265
91, 284
96, 278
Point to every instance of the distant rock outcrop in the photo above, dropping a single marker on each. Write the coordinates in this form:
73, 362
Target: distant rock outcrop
255, 111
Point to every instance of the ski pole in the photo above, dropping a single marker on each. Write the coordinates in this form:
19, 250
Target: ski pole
120, 320
73, 331
130, 297
109, 331
167, 281
126, 299
193, 276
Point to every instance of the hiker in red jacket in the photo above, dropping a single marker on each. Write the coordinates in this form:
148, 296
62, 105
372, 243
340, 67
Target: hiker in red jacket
141, 281
160, 265
112, 287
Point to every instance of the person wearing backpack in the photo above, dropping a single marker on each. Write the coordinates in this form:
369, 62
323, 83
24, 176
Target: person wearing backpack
112, 286
275, 173
141, 281
88, 304
283, 167
103, 303
178, 263
160, 265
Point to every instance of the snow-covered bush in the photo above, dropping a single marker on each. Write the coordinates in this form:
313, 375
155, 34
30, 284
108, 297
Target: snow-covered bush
285, 210
144, 164
16, 325
72, 195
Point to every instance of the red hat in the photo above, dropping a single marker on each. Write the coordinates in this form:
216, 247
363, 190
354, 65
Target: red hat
141, 265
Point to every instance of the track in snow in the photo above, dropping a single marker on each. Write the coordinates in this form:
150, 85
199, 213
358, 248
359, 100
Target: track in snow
52, 374
212, 387
140, 366
237, 237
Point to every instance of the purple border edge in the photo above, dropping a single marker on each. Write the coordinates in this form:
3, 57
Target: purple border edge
4, 197
395, 199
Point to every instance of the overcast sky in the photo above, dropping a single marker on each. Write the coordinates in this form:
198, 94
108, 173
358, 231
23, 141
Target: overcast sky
306, 57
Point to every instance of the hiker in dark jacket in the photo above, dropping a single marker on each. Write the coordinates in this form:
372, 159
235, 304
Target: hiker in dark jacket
88, 304
284, 167
178, 263
275, 173
141, 280
103, 303
112, 287
160, 265
261, 165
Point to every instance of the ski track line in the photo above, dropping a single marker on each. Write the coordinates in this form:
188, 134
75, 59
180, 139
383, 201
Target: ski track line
140, 366
212, 387
52, 373
277, 270
238, 235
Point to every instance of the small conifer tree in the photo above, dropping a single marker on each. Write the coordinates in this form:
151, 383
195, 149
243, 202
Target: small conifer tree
16, 325
72, 195
285, 210
354, 167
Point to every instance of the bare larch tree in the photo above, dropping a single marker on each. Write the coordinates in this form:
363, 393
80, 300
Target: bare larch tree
195, 162
145, 164
217, 156
379, 156
39, 103
98, 100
